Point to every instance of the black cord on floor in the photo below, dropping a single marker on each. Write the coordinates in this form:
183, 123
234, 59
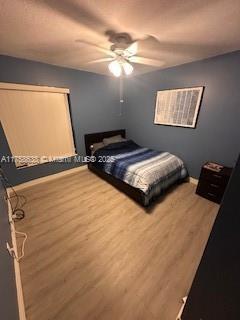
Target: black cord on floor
18, 212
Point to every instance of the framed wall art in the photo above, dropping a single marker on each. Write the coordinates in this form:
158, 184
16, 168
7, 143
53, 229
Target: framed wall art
178, 107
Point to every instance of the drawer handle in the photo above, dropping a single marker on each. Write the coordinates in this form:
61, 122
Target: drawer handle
211, 194
217, 176
214, 185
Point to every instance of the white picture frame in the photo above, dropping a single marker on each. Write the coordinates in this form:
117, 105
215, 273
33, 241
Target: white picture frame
178, 107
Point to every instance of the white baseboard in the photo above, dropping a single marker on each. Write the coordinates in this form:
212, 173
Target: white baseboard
62, 174
193, 180
184, 300
49, 178
20, 300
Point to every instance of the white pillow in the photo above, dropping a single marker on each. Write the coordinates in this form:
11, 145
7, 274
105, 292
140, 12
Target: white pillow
113, 139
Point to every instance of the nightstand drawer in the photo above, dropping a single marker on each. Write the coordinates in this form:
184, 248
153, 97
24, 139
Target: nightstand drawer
212, 197
208, 186
214, 177
212, 193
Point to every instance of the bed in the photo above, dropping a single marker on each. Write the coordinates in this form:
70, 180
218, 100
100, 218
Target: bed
141, 173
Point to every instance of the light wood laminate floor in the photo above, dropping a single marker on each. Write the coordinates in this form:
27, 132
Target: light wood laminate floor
94, 254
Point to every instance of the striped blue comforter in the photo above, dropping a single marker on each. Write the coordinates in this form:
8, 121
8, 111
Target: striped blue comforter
148, 170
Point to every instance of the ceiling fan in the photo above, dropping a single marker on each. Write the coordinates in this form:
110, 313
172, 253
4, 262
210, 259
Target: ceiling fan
123, 54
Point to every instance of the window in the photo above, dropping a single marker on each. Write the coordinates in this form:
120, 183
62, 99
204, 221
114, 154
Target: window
36, 121
178, 107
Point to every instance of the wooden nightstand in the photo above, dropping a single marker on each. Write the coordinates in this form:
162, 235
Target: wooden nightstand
212, 184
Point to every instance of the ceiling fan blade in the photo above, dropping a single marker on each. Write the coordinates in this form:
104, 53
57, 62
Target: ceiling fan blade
149, 62
100, 60
132, 49
99, 48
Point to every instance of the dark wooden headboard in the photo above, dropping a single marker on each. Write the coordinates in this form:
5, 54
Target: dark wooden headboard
99, 136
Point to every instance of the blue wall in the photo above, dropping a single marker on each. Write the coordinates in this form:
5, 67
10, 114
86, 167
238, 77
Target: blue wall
217, 135
8, 295
94, 103
95, 107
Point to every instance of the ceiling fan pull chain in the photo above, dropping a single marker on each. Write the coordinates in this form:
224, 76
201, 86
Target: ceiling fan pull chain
121, 100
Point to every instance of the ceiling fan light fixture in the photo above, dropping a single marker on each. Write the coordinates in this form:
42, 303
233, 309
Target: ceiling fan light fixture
115, 68
127, 67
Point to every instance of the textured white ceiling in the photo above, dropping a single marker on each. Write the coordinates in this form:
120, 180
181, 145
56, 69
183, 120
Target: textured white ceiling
176, 31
